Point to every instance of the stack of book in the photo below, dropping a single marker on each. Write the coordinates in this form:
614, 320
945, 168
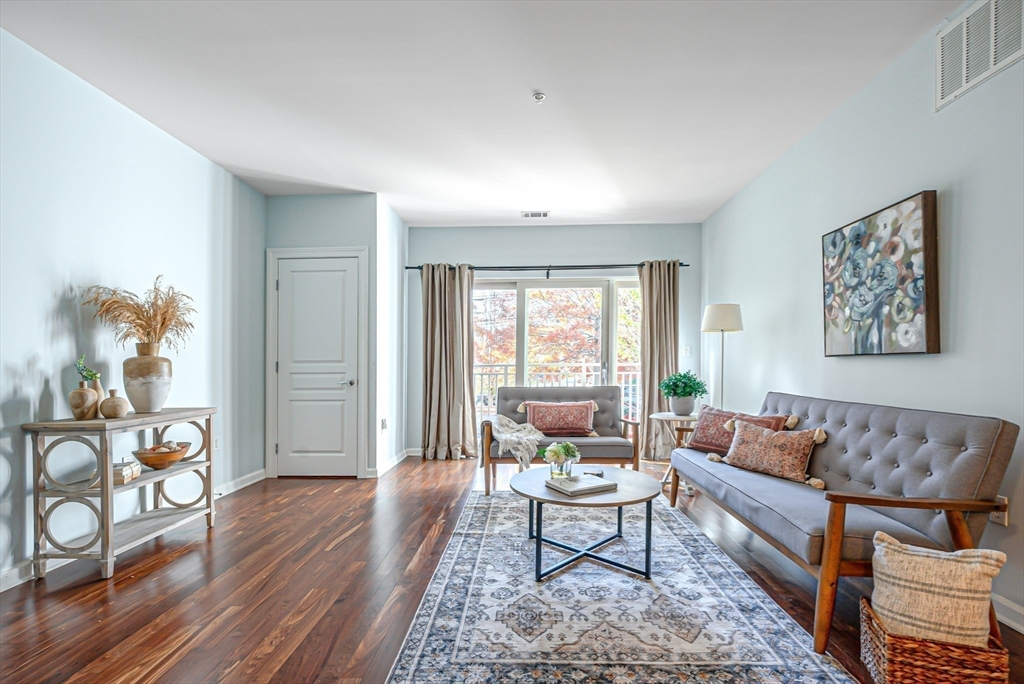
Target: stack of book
581, 485
126, 472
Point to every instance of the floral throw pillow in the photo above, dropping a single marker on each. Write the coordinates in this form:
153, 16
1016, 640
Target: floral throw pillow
762, 450
710, 434
561, 419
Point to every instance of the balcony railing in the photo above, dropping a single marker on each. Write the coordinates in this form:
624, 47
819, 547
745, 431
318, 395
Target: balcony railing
487, 378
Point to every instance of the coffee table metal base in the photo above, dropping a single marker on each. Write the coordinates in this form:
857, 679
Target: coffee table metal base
589, 552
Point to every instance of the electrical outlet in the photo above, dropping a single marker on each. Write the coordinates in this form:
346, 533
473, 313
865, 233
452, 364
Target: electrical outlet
383, 423
1001, 517
216, 443
686, 350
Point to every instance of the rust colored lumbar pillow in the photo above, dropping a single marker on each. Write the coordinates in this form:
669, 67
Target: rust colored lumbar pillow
561, 419
781, 454
710, 434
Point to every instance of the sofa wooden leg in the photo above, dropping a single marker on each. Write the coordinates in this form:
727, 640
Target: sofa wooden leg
961, 536
487, 475
828, 576
673, 487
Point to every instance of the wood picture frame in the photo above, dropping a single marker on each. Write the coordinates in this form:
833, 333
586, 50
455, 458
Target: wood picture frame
881, 281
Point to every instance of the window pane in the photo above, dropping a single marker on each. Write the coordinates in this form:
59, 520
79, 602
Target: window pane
563, 337
627, 344
494, 338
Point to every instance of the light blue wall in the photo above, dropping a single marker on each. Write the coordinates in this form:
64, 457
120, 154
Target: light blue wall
358, 220
94, 194
531, 245
763, 250
392, 251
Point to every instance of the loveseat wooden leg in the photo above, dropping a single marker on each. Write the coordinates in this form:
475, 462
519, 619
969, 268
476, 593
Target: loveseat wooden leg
487, 474
673, 487
828, 576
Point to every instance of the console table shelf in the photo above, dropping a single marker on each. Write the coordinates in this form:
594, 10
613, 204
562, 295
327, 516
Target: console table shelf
111, 539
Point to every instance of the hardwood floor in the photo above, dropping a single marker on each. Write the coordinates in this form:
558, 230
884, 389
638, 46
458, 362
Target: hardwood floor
306, 581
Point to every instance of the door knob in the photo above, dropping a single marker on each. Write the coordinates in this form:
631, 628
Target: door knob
349, 383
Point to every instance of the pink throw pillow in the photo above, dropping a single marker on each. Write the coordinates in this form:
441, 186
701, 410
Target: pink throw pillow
561, 419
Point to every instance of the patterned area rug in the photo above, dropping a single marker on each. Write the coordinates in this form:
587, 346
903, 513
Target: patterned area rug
699, 619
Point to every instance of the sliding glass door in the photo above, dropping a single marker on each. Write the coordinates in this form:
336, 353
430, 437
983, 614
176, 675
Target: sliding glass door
556, 333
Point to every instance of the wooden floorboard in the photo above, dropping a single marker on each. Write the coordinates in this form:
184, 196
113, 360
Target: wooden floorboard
309, 580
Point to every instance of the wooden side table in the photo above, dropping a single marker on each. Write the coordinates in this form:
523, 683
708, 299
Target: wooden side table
683, 428
111, 539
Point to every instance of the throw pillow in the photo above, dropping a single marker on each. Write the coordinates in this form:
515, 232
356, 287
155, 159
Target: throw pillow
561, 419
936, 595
711, 436
780, 454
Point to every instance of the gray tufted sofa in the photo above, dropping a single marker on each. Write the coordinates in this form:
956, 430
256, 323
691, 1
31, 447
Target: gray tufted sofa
617, 440
926, 478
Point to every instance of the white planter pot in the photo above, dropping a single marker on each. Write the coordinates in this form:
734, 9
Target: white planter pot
682, 406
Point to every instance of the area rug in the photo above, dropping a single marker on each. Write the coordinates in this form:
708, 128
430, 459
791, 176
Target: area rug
483, 617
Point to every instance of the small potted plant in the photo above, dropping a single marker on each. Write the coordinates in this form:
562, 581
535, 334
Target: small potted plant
561, 457
682, 389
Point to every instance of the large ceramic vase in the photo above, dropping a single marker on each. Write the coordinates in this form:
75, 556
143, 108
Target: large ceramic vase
147, 378
681, 406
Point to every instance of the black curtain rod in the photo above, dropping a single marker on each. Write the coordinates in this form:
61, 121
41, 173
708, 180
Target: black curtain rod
564, 267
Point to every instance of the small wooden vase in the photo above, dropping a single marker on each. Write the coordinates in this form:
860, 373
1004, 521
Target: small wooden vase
83, 402
114, 406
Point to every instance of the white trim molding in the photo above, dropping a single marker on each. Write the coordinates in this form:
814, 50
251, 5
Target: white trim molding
1009, 613
414, 452
274, 255
240, 483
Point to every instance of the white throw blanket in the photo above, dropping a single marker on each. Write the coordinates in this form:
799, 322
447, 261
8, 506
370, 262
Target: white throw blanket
522, 441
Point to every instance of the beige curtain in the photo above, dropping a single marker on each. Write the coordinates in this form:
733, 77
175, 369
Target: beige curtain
659, 351
449, 412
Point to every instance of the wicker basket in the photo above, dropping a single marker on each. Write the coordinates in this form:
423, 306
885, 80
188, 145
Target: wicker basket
895, 659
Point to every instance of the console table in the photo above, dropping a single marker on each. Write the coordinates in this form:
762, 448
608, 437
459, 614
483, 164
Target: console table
97, 491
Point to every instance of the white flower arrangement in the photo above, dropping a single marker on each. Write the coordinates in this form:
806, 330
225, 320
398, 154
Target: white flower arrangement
560, 453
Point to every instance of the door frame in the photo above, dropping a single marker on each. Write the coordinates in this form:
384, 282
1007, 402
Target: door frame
274, 255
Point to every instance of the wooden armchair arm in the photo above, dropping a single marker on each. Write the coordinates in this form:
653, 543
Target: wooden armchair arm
937, 504
632, 427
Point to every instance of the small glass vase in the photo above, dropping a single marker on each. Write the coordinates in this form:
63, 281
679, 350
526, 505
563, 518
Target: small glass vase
560, 470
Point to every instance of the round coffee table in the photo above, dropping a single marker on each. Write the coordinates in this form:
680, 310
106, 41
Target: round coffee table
633, 488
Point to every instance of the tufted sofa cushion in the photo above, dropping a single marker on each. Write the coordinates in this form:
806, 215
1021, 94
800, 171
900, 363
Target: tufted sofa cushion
789, 512
904, 452
607, 415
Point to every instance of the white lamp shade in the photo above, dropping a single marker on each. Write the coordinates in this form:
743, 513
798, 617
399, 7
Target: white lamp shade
722, 318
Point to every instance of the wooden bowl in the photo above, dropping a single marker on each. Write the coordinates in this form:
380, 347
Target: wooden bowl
159, 461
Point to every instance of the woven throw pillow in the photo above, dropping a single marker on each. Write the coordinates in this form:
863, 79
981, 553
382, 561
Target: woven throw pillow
561, 419
762, 450
936, 595
711, 436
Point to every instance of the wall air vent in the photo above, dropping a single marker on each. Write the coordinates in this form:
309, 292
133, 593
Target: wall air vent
534, 214
978, 44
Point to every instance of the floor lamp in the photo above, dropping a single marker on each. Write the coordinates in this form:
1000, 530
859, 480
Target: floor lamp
722, 318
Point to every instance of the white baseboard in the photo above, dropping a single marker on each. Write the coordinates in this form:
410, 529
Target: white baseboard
1009, 613
22, 572
414, 452
385, 466
240, 483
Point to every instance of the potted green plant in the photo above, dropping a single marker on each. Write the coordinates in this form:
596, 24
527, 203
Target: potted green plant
561, 457
682, 389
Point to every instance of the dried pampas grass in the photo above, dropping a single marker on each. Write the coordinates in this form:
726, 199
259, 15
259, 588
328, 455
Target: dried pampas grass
161, 318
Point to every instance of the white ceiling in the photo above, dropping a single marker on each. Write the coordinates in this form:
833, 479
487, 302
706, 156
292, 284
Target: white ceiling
656, 111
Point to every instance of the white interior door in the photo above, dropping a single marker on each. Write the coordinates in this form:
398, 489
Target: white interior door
317, 342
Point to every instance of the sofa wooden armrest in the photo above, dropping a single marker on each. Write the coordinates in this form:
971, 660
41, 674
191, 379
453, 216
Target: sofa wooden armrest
833, 565
936, 504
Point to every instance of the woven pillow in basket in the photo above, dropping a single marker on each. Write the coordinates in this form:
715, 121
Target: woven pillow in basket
936, 595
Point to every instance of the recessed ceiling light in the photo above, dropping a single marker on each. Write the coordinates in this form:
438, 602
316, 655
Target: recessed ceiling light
539, 97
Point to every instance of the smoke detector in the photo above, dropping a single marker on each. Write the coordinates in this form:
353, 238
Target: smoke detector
534, 214
539, 97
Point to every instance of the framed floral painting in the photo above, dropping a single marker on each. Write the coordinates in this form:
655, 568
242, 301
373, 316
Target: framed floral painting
881, 282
